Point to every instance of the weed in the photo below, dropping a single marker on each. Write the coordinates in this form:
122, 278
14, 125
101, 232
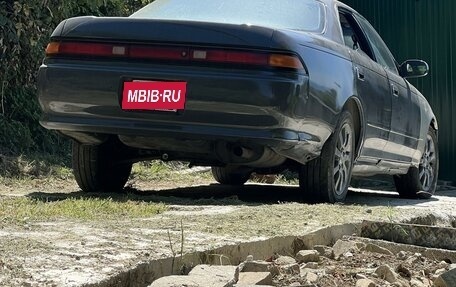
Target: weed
390, 214
183, 267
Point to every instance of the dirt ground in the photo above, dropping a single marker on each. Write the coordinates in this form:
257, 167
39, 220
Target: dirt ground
74, 253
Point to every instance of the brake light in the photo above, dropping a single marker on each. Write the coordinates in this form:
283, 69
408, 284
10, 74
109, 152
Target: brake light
174, 53
88, 49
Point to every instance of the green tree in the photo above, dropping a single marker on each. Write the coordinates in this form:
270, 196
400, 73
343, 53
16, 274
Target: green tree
24, 33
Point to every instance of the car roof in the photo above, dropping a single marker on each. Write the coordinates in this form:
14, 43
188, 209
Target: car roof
331, 2
328, 2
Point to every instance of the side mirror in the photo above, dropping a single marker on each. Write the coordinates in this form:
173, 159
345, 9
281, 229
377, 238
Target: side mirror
414, 69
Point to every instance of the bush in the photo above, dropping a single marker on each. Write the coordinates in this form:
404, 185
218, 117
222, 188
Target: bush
25, 29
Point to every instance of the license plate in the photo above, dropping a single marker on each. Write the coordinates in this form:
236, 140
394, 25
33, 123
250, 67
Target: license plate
154, 96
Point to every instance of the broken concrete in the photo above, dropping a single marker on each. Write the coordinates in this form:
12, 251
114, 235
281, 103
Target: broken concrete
447, 279
401, 249
386, 273
202, 276
257, 266
370, 247
365, 283
305, 256
189, 281
348, 247
414, 234
285, 260
343, 247
255, 278
325, 251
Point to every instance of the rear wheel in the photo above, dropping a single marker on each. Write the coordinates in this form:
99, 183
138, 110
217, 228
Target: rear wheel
230, 175
326, 179
421, 182
96, 169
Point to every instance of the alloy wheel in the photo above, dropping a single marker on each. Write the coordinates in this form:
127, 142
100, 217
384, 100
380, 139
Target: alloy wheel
343, 159
428, 164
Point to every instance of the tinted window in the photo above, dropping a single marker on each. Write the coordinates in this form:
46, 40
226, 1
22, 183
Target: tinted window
348, 33
307, 15
353, 35
381, 51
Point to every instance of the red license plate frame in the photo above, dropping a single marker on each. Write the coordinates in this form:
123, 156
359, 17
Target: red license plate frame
147, 95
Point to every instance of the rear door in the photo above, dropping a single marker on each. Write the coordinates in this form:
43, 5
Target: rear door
406, 116
373, 89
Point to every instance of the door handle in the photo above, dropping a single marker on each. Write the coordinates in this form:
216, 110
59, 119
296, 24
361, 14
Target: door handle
360, 74
395, 90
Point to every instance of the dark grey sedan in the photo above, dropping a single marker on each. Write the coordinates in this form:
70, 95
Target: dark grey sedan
241, 86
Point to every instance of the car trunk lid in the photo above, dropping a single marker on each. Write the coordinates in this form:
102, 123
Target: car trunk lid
164, 31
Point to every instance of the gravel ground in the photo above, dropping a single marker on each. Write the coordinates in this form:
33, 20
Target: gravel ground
73, 253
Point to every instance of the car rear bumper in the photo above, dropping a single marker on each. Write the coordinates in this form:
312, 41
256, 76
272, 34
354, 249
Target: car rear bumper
188, 138
266, 108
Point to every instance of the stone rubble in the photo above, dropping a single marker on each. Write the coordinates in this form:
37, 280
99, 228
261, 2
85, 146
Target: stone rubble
446, 279
254, 278
347, 263
202, 275
365, 283
306, 256
324, 251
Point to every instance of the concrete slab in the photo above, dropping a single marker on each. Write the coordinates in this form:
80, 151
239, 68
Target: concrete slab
255, 278
422, 235
447, 279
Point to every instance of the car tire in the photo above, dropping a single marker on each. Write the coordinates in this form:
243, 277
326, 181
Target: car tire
230, 175
327, 178
421, 182
96, 170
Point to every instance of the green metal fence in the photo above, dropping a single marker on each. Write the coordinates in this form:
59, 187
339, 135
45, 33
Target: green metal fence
424, 29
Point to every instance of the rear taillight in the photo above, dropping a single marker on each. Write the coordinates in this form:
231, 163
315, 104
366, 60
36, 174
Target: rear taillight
174, 53
234, 57
85, 49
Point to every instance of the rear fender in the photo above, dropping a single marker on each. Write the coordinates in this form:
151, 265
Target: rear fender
331, 84
354, 106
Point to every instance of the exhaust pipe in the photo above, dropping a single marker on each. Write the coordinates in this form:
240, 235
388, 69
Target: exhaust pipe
243, 152
244, 155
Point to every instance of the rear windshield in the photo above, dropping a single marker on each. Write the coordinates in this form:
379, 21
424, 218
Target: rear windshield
304, 15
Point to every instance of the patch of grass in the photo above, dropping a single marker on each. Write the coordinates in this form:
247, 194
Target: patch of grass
23, 173
34, 166
166, 172
24, 209
287, 180
284, 219
152, 170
